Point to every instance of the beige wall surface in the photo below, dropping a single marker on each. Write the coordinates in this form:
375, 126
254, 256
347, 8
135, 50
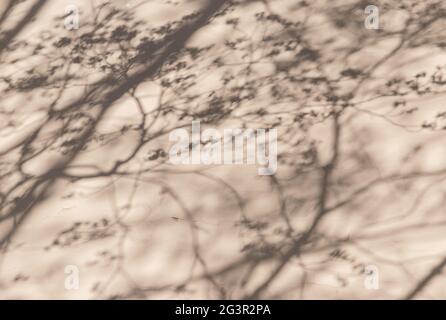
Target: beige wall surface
91, 207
